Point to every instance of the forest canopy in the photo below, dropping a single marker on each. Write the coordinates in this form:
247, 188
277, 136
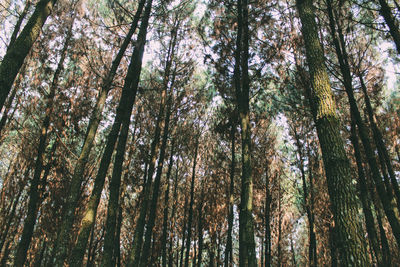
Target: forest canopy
199, 133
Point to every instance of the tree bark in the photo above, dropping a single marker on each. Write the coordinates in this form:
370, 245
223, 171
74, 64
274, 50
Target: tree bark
391, 22
191, 203
17, 52
247, 254
391, 210
350, 239
228, 259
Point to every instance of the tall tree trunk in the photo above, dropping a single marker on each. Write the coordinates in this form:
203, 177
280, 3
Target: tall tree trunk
307, 201
173, 220
64, 236
391, 22
17, 27
350, 239
200, 230
382, 150
247, 254
17, 52
156, 188
228, 259
166, 205
184, 228
366, 205
191, 203
390, 209
34, 194
267, 219
125, 107
136, 250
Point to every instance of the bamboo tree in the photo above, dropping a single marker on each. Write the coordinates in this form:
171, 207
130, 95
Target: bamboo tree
19, 49
351, 243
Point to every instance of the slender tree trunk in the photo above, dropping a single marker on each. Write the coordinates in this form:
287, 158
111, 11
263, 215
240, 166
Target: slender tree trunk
64, 236
279, 224
173, 221
166, 204
191, 203
34, 194
391, 22
228, 259
366, 205
382, 150
136, 250
390, 209
124, 107
200, 230
307, 201
183, 232
17, 27
17, 52
267, 219
156, 187
351, 243
247, 255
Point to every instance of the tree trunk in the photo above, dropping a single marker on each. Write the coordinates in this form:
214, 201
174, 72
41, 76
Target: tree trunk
267, 220
247, 254
191, 203
125, 107
350, 238
64, 236
366, 205
382, 151
34, 194
228, 259
156, 188
387, 200
391, 22
183, 232
18, 50
166, 204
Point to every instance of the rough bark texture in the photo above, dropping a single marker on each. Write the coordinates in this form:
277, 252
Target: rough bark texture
350, 240
17, 52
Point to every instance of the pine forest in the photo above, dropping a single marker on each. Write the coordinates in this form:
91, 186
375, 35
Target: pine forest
193, 133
